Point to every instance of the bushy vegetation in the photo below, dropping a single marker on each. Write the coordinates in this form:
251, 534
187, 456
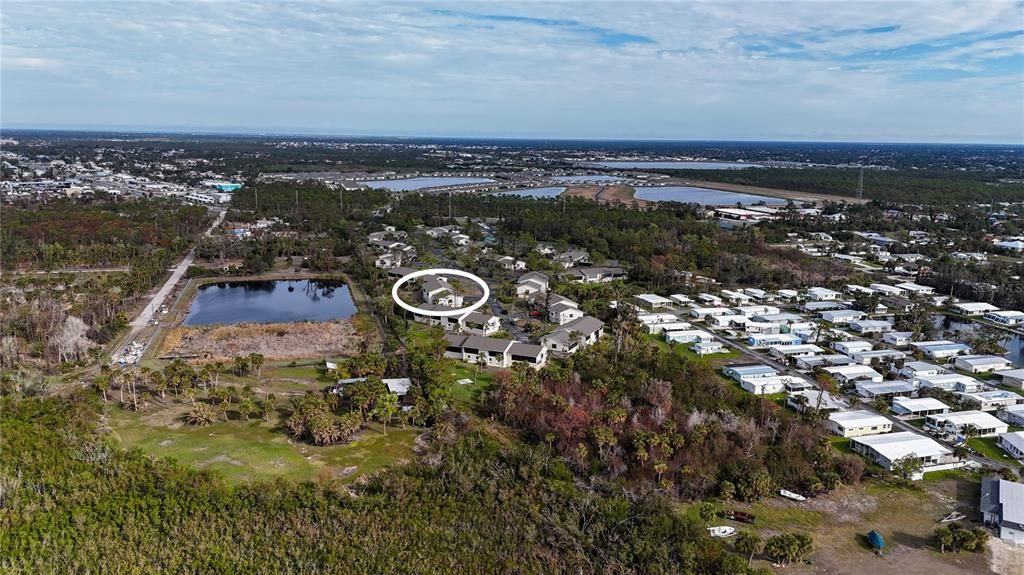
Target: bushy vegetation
629, 410
72, 503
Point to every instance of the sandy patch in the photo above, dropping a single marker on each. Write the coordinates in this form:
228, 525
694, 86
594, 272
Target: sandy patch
276, 341
1006, 559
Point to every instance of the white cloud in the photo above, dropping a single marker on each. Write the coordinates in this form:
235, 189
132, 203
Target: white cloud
405, 68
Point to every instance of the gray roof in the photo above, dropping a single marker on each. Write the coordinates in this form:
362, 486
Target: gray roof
562, 306
537, 276
585, 325
1004, 499
526, 349
479, 343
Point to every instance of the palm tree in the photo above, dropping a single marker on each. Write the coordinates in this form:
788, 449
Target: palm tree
750, 544
257, 360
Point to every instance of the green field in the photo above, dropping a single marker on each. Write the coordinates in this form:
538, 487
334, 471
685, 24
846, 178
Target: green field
469, 395
256, 450
987, 447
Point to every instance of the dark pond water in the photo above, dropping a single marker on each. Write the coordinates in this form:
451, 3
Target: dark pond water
1013, 343
271, 302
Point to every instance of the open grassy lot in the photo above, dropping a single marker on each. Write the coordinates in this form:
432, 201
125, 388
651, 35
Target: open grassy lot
987, 447
840, 521
256, 450
469, 395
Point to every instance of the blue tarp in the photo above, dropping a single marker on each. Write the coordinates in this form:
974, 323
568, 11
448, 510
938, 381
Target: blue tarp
875, 539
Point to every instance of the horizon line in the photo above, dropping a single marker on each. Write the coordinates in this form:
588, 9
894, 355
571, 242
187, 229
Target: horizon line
322, 135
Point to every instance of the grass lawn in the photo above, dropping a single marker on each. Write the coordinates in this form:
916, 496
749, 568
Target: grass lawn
842, 445
469, 394
244, 451
987, 447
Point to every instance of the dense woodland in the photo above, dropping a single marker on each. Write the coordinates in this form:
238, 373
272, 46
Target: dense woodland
934, 186
53, 318
71, 502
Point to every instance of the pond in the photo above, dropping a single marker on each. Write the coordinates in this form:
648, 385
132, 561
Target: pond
702, 196
409, 184
551, 192
1013, 343
279, 301
674, 165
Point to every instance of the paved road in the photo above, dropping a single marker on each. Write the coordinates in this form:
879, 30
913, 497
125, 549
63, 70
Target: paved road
514, 330
146, 315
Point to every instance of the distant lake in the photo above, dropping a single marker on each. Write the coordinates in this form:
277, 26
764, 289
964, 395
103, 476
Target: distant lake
674, 165
279, 301
1013, 343
702, 196
409, 184
586, 179
535, 192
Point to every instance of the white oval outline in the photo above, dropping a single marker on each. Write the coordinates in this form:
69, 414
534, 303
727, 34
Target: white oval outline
461, 312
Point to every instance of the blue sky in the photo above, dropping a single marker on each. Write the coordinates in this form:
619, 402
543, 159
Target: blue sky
928, 71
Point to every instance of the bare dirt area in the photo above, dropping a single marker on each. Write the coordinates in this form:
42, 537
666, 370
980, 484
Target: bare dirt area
606, 194
839, 524
276, 341
770, 192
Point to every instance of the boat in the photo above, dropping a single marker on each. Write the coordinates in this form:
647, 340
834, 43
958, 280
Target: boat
722, 531
791, 495
740, 516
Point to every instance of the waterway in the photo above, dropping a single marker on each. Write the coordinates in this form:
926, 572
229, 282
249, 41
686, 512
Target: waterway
410, 184
551, 192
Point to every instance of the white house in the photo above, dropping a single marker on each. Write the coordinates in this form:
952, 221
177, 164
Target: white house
870, 326
912, 288
847, 374
919, 369
708, 348
888, 448
531, 283
476, 323
857, 423
661, 327
852, 346
739, 372
688, 336
881, 355
654, 301
1002, 507
786, 352
1010, 317
822, 294
494, 352
950, 382
991, 400
973, 308
981, 363
562, 309
680, 299
815, 399
436, 290
898, 338
941, 349
1012, 442
956, 423
570, 337
918, 406
736, 297
511, 264
768, 340
841, 316
702, 313
1012, 377
1014, 415
885, 389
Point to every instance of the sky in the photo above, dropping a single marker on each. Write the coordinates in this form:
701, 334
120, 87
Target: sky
928, 71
